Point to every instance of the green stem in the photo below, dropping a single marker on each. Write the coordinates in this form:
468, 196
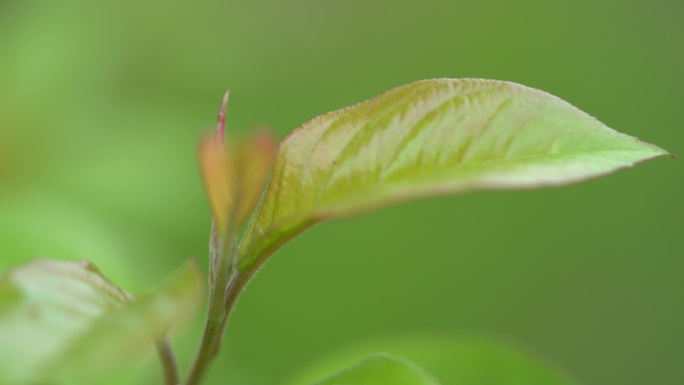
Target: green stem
223, 279
219, 311
226, 285
168, 362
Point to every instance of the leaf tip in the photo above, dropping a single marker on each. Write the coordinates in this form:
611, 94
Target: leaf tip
221, 125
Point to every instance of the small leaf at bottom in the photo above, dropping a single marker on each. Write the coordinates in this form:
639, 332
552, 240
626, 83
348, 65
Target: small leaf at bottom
381, 369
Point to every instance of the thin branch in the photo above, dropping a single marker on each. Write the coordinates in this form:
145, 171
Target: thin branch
168, 362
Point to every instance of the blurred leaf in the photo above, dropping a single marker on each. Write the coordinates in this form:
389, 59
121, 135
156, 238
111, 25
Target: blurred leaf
381, 369
450, 360
234, 175
65, 322
428, 138
122, 337
218, 175
43, 306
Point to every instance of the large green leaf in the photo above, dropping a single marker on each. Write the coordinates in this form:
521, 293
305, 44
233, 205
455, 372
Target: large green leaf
61, 321
428, 138
381, 369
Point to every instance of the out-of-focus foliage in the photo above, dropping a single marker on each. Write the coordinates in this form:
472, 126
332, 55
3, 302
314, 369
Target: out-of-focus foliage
234, 176
449, 359
65, 322
102, 104
381, 369
44, 306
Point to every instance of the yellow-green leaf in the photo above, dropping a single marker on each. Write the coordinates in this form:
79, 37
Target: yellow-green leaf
429, 138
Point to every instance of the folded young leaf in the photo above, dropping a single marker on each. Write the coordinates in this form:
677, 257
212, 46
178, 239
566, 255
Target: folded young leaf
234, 176
218, 175
381, 369
429, 138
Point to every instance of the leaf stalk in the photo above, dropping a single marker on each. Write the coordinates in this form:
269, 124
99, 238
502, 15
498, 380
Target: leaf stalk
168, 362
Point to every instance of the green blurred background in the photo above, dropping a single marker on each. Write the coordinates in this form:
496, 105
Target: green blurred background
102, 104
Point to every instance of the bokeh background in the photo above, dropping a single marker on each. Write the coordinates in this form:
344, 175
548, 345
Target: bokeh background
102, 104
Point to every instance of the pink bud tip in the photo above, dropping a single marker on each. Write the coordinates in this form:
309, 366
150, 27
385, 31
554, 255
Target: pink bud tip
221, 126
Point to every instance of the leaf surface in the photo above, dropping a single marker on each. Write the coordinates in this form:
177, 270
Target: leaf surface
381, 369
118, 340
428, 138
44, 304
60, 317
454, 360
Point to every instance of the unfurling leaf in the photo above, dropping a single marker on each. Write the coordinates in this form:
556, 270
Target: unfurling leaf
218, 179
427, 138
234, 176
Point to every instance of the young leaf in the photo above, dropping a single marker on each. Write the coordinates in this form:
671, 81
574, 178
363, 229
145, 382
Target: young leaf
234, 176
218, 179
429, 138
381, 369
